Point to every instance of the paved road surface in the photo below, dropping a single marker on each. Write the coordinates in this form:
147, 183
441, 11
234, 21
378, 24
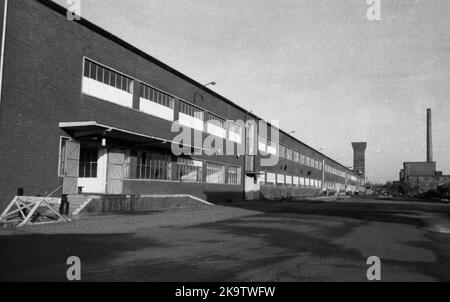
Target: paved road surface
257, 241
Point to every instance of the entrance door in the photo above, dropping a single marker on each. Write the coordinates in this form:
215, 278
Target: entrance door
92, 177
116, 168
71, 168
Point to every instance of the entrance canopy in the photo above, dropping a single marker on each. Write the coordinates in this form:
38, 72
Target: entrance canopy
93, 131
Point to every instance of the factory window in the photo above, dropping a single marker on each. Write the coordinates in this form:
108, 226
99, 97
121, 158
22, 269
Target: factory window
62, 156
302, 181
282, 151
307, 161
215, 173
289, 154
262, 144
127, 160
289, 180
302, 159
216, 126
216, 121
153, 166
262, 177
272, 147
107, 76
296, 156
234, 175
192, 111
190, 170
271, 178
280, 179
157, 96
88, 162
235, 133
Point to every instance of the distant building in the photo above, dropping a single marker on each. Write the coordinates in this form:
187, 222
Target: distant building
423, 175
359, 158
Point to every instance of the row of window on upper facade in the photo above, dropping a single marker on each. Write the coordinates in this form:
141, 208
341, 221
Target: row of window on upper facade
269, 178
155, 102
160, 104
280, 179
266, 146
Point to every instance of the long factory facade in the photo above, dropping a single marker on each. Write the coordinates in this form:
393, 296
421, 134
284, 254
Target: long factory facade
82, 111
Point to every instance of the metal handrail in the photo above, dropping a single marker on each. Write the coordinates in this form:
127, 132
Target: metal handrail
56, 190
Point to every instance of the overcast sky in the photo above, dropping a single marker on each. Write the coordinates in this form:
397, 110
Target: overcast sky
318, 66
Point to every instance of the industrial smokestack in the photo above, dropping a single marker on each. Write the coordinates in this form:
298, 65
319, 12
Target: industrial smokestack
359, 158
429, 137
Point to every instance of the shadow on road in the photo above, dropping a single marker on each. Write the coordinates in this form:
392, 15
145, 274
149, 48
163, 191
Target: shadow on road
367, 211
37, 257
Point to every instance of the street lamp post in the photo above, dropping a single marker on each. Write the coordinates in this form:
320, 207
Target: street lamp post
213, 83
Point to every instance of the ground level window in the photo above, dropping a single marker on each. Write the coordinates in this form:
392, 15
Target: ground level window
280, 179
88, 162
262, 177
190, 170
215, 173
271, 178
234, 175
288, 180
153, 166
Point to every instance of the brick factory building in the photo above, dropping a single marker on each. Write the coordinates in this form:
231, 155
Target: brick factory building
422, 176
84, 111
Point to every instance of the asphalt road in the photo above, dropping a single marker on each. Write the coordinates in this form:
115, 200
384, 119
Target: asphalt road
257, 241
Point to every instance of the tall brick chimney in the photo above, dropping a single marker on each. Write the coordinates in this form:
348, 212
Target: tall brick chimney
429, 137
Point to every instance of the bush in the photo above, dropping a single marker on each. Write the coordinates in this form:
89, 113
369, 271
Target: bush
430, 194
443, 192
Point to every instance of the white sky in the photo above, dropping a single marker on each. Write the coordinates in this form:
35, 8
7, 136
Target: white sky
318, 66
